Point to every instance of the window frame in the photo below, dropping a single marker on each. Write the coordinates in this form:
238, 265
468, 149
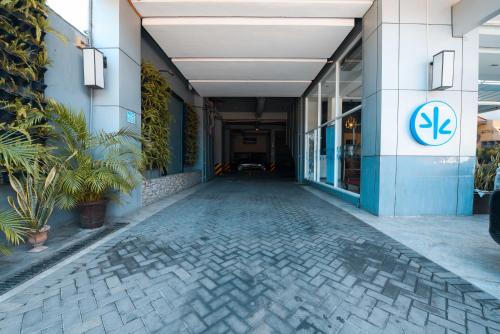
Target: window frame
337, 122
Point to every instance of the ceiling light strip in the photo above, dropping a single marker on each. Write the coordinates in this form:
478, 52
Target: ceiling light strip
277, 60
247, 21
249, 81
315, 2
489, 50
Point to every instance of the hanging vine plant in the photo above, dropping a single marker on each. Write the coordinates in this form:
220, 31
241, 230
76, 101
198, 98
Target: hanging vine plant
190, 136
155, 96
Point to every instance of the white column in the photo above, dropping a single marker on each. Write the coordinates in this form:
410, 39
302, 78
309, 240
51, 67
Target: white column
117, 33
399, 175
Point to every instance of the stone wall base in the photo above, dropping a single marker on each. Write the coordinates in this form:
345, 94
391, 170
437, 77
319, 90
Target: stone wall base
157, 188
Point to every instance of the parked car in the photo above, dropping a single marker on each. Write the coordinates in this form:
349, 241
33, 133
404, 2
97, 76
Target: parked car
251, 166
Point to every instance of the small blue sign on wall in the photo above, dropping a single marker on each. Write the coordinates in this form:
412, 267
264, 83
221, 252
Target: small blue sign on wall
131, 117
433, 123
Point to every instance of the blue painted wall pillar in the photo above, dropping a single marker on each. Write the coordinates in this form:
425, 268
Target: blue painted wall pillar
117, 33
400, 176
330, 154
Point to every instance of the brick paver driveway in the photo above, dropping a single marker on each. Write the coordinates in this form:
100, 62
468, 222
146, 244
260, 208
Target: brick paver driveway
252, 256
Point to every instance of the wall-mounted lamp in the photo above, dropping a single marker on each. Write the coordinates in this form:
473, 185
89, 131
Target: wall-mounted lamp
443, 66
93, 68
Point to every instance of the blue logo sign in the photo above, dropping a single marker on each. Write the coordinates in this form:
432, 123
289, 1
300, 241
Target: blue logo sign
131, 117
433, 123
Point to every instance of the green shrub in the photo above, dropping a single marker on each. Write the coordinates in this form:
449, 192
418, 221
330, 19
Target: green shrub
155, 117
484, 176
190, 136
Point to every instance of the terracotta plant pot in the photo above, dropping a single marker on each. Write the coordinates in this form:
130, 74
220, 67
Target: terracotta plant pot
93, 214
38, 239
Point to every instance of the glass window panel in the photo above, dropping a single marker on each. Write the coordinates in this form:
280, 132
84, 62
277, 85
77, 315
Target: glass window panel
310, 155
328, 97
349, 176
312, 109
350, 86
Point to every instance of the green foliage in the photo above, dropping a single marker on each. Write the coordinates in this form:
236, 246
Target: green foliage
36, 196
484, 176
190, 136
23, 54
23, 155
155, 119
18, 153
14, 229
95, 166
484, 154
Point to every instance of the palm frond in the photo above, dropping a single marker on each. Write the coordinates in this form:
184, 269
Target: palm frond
12, 226
95, 165
17, 151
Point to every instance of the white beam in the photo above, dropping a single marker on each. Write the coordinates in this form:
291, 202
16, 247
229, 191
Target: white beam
470, 14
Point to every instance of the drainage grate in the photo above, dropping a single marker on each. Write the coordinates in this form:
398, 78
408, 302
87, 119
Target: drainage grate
35, 269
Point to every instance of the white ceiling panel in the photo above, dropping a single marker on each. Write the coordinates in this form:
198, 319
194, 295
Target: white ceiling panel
248, 37
250, 48
213, 88
256, 8
249, 68
489, 65
489, 36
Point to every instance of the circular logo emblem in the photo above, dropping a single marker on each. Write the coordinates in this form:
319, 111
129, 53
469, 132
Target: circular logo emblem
433, 123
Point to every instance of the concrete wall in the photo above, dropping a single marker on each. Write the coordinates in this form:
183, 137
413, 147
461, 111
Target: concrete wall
261, 145
218, 141
400, 176
158, 188
153, 54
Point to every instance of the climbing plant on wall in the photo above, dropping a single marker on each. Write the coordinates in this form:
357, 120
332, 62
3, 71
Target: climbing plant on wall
23, 55
190, 136
155, 96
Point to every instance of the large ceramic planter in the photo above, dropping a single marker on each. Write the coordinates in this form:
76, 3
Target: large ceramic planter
38, 239
93, 214
481, 204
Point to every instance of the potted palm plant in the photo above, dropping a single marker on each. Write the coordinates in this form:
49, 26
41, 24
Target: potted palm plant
484, 179
36, 197
101, 164
18, 152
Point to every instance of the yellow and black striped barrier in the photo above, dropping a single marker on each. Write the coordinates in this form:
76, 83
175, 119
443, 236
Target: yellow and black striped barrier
218, 169
272, 167
227, 167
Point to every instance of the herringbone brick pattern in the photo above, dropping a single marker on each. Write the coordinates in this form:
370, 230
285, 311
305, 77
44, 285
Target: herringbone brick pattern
252, 257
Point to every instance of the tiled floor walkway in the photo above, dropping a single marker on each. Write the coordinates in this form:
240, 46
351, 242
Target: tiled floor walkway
251, 256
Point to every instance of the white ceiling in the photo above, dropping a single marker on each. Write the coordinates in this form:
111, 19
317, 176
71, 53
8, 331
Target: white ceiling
249, 68
269, 48
249, 88
252, 8
248, 37
489, 64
